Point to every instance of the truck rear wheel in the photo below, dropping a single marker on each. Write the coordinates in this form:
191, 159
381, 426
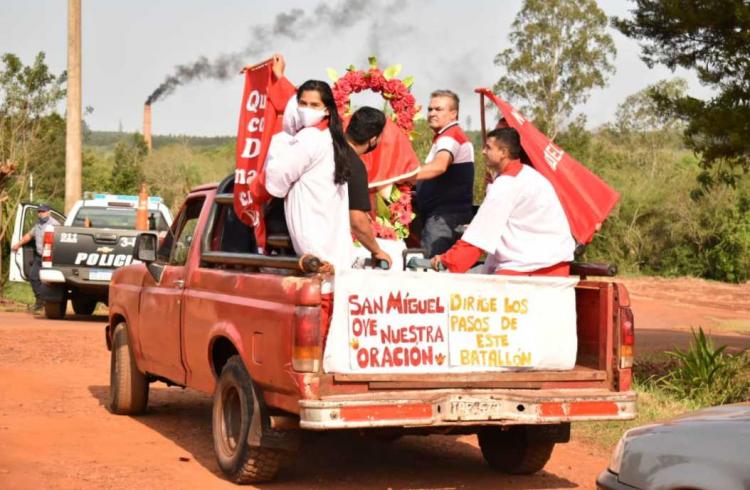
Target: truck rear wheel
516, 450
55, 310
232, 413
128, 387
83, 305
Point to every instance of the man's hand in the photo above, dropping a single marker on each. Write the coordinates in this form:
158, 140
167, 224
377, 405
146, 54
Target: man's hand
436, 263
15, 246
279, 65
437, 167
380, 254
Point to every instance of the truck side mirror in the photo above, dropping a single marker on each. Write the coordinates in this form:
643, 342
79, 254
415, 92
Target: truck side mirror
145, 247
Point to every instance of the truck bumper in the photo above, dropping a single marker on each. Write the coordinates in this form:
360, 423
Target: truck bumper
453, 407
51, 276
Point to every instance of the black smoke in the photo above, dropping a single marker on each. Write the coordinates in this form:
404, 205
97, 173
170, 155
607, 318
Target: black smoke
294, 25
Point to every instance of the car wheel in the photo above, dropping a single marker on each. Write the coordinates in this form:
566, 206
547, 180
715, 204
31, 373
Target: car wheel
128, 387
55, 310
83, 305
515, 450
232, 413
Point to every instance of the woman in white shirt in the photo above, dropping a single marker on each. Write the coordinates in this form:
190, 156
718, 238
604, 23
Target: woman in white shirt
311, 174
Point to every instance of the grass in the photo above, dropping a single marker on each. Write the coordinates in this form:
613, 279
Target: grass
653, 405
15, 295
672, 383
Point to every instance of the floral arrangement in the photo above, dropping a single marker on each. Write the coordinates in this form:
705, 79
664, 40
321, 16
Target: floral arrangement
394, 213
395, 91
393, 203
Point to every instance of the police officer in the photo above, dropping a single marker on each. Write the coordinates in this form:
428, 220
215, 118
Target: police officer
37, 233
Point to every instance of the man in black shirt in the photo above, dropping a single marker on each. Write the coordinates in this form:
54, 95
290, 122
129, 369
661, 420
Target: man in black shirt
363, 135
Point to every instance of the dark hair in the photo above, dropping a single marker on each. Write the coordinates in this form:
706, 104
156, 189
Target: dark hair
509, 138
341, 149
366, 123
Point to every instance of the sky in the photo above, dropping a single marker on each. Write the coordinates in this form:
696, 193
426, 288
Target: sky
128, 49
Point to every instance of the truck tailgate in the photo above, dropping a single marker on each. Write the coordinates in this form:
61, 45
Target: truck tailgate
95, 248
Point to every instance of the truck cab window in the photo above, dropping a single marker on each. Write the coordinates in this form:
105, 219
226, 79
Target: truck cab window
176, 245
230, 234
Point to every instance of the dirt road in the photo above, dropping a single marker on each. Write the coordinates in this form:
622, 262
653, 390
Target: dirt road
56, 433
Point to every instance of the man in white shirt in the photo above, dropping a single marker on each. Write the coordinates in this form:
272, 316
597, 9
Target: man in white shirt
521, 225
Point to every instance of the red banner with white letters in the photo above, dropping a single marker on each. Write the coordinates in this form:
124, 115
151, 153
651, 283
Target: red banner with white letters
586, 199
256, 127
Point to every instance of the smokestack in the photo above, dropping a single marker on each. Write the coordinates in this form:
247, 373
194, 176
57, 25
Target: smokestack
147, 125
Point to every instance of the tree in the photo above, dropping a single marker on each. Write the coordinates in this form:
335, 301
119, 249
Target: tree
711, 37
642, 124
32, 136
561, 50
127, 171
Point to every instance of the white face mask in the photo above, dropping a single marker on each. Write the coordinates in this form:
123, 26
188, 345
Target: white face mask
310, 117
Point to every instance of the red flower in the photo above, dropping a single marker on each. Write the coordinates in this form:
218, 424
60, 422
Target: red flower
392, 86
401, 100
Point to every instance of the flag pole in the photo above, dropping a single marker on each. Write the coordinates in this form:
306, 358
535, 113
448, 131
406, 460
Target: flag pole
481, 117
255, 66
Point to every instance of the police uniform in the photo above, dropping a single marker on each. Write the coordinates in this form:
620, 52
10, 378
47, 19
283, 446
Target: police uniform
38, 232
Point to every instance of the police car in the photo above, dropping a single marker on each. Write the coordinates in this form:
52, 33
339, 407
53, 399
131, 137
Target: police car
79, 257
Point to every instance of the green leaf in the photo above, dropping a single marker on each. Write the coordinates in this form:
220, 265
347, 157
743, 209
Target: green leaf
351, 68
395, 194
373, 61
332, 74
392, 71
418, 116
382, 207
408, 81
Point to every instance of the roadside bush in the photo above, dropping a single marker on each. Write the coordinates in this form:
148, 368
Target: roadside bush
708, 375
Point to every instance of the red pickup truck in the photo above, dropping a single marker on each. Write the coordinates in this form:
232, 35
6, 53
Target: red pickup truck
206, 311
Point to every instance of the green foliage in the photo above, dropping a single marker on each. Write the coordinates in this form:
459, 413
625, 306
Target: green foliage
666, 222
171, 171
96, 171
708, 375
561, 50
711, 37
32, 138
127, 170
106, 140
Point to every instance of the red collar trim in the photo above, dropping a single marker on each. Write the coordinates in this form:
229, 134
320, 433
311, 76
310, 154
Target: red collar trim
513, 168
443, 130
322, 125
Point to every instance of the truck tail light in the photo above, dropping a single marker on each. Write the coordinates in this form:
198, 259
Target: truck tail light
627, 338
49, 238
307, 350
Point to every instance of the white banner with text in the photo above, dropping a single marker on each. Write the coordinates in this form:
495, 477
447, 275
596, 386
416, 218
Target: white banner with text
424, 322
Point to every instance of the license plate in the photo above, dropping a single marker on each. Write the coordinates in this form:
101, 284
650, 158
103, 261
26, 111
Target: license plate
473, 409
100, 275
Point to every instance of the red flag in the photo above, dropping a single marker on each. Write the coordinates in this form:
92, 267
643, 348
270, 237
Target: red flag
586, 199
393, 160
263, 102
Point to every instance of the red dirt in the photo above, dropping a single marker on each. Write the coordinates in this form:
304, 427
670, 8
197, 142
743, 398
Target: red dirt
56, 433
666, 309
